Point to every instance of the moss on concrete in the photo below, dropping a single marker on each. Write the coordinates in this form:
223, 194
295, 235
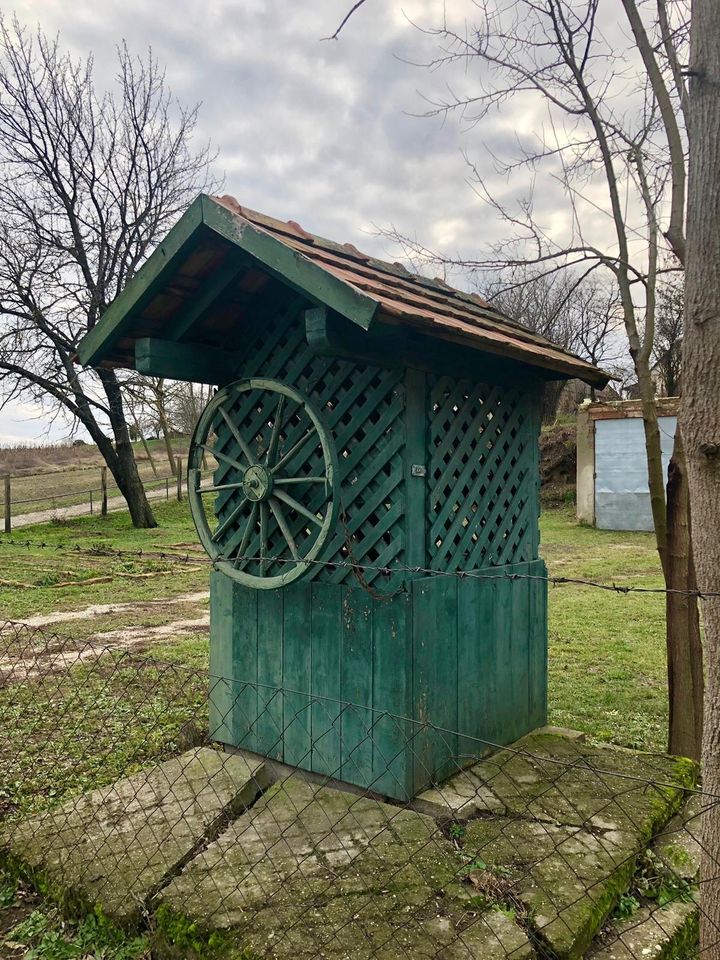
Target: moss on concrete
110, 849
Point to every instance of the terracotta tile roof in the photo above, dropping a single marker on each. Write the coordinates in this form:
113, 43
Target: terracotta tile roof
428, 305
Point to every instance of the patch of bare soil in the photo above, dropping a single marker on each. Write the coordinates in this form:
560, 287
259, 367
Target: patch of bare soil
109, 609
61, 654
24, 903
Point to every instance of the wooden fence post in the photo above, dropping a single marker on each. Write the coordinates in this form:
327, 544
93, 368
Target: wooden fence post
178, 473
8, 521
103, 491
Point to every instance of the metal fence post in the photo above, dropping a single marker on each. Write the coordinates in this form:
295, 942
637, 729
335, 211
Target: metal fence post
178, 469
91, 502
103, 491
167, 488
8, 521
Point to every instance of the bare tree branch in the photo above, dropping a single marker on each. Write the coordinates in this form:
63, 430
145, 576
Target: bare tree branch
351, 11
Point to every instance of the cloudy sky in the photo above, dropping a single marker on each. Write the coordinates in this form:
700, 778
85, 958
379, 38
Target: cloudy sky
325, 133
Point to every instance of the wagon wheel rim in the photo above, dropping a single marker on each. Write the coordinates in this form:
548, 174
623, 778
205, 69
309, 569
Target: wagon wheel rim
275, 516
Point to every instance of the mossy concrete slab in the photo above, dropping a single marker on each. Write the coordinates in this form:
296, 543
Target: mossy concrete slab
546, 776
679, 843
112, 848
567, 877
314, 872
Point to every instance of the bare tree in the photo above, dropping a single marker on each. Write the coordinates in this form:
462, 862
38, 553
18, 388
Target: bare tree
89, 181
614, 126
187, 403
700, 413
152, 398
580, 314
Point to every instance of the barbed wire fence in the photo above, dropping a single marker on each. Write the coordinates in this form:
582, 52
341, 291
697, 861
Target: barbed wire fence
188, 557
116, 795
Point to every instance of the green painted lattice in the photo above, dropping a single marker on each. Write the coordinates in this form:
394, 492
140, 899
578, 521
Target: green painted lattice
363, 407
482, 496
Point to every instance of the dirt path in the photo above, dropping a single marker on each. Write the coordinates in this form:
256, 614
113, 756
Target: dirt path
105, 609
77, 510
65, 653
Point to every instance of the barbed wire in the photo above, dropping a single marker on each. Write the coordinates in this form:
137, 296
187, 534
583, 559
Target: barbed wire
387, 571
355, 566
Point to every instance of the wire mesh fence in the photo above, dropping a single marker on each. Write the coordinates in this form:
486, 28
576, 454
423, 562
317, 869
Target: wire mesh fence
117, 796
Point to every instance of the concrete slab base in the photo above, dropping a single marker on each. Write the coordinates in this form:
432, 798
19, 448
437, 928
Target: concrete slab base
522, 856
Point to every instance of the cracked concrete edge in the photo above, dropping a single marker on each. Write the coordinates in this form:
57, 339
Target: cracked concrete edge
73, 901
669, 932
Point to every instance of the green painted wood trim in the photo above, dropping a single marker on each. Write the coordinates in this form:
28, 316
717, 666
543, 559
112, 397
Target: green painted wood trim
185, 361
156, 271
392, 347
416, 467
289, 265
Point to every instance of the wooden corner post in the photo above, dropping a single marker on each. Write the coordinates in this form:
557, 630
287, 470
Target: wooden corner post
103, 492
8, 518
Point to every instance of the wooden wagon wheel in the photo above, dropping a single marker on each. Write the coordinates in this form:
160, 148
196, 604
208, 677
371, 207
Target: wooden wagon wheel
273, 477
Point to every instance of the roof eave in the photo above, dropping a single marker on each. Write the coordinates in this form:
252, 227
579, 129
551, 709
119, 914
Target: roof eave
278, 259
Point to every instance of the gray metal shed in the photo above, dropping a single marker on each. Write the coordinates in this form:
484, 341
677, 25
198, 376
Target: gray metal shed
612, 478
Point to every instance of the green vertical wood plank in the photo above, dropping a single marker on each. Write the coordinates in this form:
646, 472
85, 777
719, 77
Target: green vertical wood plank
297, 667
416, 461
357, 686
221, 686
326, 634
537, 633
270, 673
435, 653
477, 702
392, 737
245, 665
502, 619
520, 638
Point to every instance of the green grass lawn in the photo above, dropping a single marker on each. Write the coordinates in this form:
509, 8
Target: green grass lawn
606, 650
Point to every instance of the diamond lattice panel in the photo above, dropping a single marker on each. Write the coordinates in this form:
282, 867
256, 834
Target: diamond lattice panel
482, 506
364, 408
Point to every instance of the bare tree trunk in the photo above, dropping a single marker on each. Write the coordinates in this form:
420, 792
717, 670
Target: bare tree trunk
700, 414
159, 394
122, 465
684, 645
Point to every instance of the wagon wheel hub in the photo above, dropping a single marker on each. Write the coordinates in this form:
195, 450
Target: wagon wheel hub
257, 483
262, 451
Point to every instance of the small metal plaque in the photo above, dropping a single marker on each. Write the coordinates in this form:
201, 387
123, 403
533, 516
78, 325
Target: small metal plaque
418, 470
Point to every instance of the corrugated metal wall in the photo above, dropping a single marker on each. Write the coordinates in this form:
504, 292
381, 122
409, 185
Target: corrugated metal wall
622, 499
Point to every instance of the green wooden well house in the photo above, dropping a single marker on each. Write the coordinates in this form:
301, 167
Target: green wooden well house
373, 434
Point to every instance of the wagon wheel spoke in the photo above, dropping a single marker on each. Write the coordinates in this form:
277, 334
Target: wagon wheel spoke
294, 450
283, 524
238, 438
298, 507
222, 456
240, 557
286, 481
217, 487
229, 520
275, 436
